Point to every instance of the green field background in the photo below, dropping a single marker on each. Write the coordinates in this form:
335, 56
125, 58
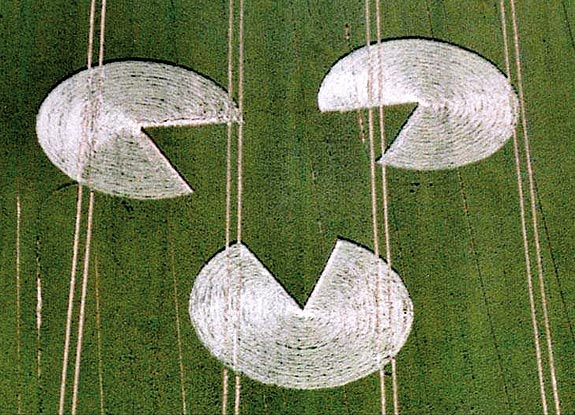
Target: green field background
456, 236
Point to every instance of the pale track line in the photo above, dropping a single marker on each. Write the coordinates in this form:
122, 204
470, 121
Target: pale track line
38, 323
230, 128
91, 201
385, 207
372, 171
76, 242
237, 379
347, 36
381, 115
225, 383
230, 124
533, 200
75, 250
237, 392
178, 330
241, 124
176, 302
102, 33
18, 304
81, 316
522, 209
371, 137
99, 335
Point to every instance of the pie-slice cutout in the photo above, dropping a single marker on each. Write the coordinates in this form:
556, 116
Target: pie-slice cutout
91, 126
358, 316
466, 108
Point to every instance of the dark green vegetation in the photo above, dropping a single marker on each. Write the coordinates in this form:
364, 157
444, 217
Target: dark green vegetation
456, 234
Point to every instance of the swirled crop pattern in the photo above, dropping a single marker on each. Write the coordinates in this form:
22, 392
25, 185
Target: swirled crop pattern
358, 316
466, 108
91, 125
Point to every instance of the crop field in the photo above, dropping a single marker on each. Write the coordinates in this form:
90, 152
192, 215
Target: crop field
455, 235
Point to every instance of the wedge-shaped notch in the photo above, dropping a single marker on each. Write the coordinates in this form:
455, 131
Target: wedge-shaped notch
466, 108
91, 126
358, 316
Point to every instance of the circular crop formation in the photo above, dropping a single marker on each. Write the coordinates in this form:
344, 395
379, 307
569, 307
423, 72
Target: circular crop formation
358, 316
466, 108
91, 125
